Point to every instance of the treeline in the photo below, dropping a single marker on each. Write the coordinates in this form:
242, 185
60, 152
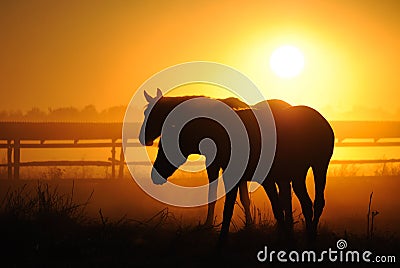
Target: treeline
116, 114
88, 113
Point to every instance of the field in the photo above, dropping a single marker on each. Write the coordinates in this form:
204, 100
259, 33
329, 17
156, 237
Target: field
86, 223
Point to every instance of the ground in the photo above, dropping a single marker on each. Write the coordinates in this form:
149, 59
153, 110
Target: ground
46, 229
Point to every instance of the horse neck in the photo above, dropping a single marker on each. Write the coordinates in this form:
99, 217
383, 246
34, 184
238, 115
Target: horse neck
167, 104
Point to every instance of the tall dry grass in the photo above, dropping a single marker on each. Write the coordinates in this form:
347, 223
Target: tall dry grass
43, 228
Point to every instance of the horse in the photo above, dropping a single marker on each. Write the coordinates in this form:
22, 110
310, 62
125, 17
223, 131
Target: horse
304, 140
148, 133
157, 110
161, 106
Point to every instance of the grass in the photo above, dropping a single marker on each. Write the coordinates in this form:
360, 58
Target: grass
57, 173
43, 228
45, 204
344, 170
195, 178
353, 170
388, 169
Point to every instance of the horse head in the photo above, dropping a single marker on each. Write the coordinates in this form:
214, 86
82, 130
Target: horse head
162, 167
151, 127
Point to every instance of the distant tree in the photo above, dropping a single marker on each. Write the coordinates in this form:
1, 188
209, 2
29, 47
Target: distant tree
89, 113
114, 114
16, 115
35, 114
3, 115
64, 114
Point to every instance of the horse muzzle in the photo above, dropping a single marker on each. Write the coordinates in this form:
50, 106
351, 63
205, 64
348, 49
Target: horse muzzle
157, 178
149, 143
143, 140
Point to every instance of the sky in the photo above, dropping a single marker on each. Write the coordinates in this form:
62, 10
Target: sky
77, 53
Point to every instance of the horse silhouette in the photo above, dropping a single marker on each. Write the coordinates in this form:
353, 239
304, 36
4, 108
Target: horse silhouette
158, 109
155, 114
304, 139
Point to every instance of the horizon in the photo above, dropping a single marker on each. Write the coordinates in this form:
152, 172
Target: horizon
116, 113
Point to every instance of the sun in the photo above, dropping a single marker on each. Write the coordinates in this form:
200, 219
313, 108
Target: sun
287, 61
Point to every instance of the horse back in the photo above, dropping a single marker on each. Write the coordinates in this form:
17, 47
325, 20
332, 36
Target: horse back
303, 133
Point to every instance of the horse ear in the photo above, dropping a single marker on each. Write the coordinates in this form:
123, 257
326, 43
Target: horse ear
159, 93
148, 97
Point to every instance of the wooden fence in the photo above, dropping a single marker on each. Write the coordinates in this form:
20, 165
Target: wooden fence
23, 135
15, 136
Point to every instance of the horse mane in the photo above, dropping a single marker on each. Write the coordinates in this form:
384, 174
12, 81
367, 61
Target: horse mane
169, 103
234, 103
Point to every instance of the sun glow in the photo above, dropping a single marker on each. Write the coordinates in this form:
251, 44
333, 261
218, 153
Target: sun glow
287, 61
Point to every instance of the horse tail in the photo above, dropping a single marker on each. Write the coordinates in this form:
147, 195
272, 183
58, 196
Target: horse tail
320, 169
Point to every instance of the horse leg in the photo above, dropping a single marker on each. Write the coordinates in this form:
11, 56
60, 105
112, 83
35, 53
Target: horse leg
300, 189
319, 202
212, 193
212, 173
245, 200
272, 193
230, 199
285, 197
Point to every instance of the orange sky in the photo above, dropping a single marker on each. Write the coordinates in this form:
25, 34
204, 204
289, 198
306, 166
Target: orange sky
63, 53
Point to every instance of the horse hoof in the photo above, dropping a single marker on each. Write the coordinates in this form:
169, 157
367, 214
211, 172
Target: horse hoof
206, 226
311, 235
249, 224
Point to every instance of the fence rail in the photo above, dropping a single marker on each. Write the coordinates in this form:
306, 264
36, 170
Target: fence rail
15, 136
35, 135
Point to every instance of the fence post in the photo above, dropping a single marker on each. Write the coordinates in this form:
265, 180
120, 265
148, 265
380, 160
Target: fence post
9, 159
113, 159
16, 158
121, 162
